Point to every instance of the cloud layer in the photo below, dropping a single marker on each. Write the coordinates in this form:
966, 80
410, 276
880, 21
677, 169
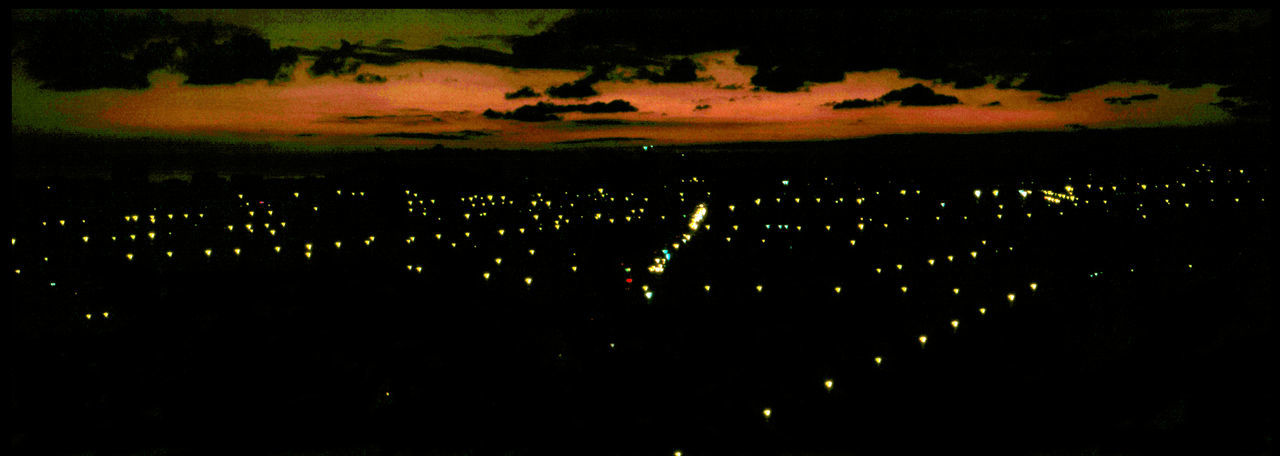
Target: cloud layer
543, 112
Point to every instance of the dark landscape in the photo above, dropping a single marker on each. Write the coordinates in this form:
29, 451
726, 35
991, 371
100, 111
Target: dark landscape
1101, 305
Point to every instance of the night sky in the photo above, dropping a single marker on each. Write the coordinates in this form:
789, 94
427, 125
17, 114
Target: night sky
514, 79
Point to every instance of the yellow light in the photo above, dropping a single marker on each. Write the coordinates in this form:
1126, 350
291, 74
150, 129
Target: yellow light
977, 193
528, 280
853, 242
169, 253
767, 413
1010, 296
308, 246
133, 237
88, 316
879, 360
277, 249
530, 252
129, 256
904, 290
1033, 286
707, 287
899, 266
931, 262
85, 238
923, 338
237, 250
955, 324
308, 254
829, 384
337, 244
955, 291
951, 257
486, 276
418, 269
759, 288
573, 268
973, 253
208, 252
982, 310
837, 290
106, 314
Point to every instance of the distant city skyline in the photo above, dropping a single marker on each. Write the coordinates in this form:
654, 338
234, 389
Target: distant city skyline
509, 79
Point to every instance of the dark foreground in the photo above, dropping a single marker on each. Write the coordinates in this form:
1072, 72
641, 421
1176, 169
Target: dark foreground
1149, 329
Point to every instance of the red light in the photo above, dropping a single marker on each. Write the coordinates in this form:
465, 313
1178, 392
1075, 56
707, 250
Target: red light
628, 280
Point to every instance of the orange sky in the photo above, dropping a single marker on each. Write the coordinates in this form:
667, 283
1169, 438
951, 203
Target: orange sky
455, 94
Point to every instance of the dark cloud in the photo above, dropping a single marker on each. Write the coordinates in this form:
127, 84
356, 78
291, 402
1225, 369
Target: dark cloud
388, 119
856, 103
336, 61
1057, 52
729, 87
370, 78
702, 107
1247, 109
80, 50
678, 71
1236, 91
682, 70
306, 135
450, 135
994, 103
543, 112
1130, 99
348, 57
524, 92
582, 88
1051, 99
919, 95
1077, 127
916, 95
